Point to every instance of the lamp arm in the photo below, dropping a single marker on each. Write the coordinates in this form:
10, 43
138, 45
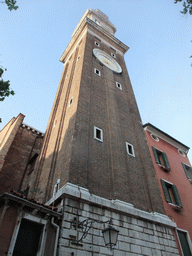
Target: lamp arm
87, 224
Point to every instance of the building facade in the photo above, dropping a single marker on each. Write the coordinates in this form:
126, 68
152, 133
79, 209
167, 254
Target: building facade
174, 174
20, 146
95, 164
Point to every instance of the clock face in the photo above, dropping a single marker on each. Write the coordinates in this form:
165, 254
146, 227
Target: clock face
107, 60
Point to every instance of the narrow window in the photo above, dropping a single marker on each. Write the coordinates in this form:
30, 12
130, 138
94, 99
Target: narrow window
171, 193
98, 134
118, 85
130, 149
70, 102
96, 43
161, 159
56, 187
55, 123
183, 238
188, 171
97, 72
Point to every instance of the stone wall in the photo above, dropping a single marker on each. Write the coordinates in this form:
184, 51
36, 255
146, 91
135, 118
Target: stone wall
140, 232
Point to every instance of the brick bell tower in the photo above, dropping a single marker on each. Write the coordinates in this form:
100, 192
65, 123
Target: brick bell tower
94, 136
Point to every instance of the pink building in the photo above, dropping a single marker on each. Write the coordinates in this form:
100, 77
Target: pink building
174, 174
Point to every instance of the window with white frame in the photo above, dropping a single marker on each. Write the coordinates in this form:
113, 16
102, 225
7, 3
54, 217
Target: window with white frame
97, 44
113, 55
56, 187
181, 152
118, 85
98, 134
185, 242
28, 236
55, 122
153, 136
97, 72
130, 149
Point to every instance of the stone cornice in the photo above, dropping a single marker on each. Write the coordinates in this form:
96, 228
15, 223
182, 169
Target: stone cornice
79, 29
71, 190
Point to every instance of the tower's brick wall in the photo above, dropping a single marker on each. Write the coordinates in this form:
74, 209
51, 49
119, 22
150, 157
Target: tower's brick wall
70, 152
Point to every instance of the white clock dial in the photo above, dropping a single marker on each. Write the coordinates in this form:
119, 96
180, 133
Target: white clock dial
107, 60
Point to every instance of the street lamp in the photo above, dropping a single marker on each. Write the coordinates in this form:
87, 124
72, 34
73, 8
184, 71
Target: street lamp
110, 233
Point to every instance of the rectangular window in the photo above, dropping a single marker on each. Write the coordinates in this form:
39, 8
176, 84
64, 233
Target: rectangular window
161, 159
185, 242
97, 72
28, 236
27, 242
171, 193
130, 149
188, 171
98, 134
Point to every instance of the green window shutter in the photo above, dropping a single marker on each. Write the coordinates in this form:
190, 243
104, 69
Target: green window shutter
165, 160
186, 172
190, 169
166, 192
156, 156
176, 196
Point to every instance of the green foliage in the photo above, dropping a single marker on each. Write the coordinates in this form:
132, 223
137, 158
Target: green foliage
36, 190
5, 90
11, 4
187, 6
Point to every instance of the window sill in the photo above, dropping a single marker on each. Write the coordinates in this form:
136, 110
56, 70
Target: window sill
177, 208
164, 168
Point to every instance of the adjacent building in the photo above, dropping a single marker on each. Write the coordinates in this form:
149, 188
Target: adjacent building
20, 146
174, 174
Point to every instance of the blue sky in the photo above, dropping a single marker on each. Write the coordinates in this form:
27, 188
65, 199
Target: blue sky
34, 37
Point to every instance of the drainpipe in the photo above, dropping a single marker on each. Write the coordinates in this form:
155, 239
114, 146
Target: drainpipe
57, 235
6, 205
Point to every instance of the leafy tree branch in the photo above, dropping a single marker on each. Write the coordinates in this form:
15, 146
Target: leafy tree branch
187, 6
11, 4
5, 90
